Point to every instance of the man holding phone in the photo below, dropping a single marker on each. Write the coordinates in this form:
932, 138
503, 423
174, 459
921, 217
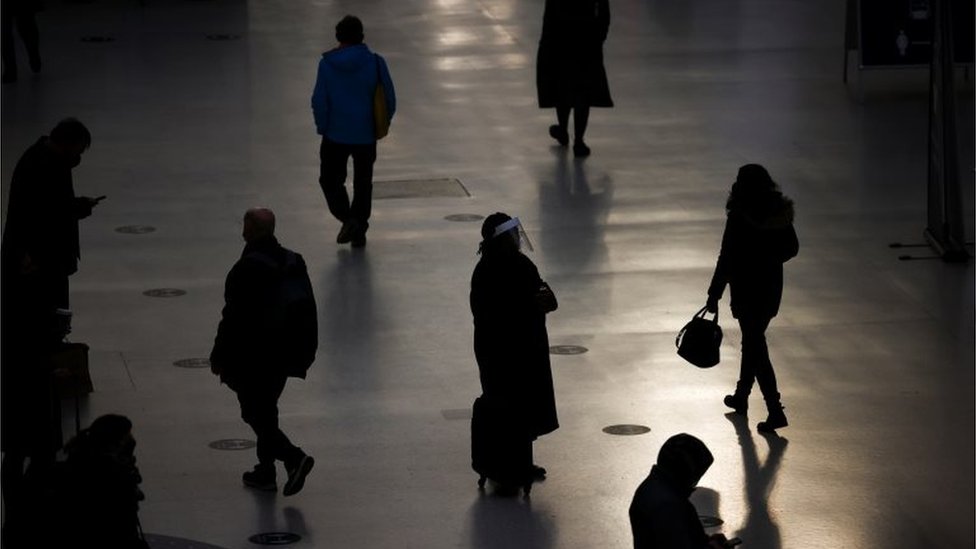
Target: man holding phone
39, 251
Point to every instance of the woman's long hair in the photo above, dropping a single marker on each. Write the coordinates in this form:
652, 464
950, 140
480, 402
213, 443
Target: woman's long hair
754, 193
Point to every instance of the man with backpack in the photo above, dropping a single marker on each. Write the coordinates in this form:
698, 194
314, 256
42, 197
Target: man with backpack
268, 332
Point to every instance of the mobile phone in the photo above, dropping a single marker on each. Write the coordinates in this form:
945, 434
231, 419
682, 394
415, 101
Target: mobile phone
733, 542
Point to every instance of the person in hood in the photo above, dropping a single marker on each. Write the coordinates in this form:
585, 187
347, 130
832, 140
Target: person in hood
343, 106
661, 515
759, 237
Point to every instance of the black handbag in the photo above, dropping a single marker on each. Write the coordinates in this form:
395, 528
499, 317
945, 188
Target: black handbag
699, 341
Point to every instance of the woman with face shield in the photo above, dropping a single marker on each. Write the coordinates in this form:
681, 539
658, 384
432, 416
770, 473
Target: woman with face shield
509, 301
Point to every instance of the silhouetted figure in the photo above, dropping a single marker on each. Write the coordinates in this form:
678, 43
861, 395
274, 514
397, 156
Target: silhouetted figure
40, 250
569, 73
342, 103
262, 340
661, 515
509, 301
19, 13
97, 496
759, 237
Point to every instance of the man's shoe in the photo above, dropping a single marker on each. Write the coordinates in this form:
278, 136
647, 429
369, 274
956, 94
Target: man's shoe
738, 403
297, 474
261, 478
345, 233
776, 420
359, 240
559, 134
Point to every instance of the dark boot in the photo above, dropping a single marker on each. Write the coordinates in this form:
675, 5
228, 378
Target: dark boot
560, 134
738, 402
776, 420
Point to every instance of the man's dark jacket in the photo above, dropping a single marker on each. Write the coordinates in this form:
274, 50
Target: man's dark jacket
43, 212
246, 348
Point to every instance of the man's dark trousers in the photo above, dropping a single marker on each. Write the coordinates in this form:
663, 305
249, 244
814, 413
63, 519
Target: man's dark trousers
332, 177
259, 409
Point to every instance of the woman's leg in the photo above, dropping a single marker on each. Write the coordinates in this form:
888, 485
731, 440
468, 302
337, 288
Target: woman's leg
581, 117
755, 353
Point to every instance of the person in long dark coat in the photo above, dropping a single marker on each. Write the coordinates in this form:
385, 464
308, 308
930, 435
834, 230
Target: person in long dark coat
569, 72
509, 301
39, 251
759, 237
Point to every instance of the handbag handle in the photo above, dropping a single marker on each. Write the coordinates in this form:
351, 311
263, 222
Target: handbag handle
704, 310
700, 314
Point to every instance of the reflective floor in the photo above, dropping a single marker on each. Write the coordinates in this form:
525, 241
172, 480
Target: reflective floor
875, 356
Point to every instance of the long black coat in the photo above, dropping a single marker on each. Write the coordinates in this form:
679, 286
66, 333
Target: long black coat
569, 69
42, 224
511, 343
755, 245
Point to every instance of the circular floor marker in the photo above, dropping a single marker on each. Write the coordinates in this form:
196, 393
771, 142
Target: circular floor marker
192, 363
157, 541
710, 522
164, 292
135, 229
567, 349
232, 444
626, 430
464, 217
274, 538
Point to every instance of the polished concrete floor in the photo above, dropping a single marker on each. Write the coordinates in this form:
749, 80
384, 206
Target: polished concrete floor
875, 356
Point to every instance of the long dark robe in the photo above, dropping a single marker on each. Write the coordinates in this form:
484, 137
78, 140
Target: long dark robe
569, 68
511, 343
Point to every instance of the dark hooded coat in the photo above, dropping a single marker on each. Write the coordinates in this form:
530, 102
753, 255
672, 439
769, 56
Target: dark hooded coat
511, 343
569, 68
757, 240
661, 515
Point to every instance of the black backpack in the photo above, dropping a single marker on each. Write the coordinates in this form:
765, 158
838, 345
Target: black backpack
294, 318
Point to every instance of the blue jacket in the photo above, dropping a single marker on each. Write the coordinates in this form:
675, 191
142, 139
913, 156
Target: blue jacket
342, 100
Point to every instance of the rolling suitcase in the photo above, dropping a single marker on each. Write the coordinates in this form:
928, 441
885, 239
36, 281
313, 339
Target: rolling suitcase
497, 451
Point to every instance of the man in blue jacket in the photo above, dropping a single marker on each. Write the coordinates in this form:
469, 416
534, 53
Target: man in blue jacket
342, 103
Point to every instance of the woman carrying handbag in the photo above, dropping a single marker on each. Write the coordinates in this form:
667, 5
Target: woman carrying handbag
758, 238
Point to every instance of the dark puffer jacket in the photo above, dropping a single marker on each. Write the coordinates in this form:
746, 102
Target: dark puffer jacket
756, 242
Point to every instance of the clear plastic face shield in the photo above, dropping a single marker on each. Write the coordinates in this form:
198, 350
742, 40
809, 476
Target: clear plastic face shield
513, 229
